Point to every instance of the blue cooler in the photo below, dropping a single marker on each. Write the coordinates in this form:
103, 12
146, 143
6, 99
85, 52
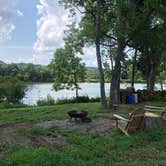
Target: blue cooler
131, 99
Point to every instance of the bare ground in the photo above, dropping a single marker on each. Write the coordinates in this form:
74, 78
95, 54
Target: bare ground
9, 133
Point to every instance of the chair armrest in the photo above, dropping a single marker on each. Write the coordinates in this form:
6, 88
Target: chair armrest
121, 118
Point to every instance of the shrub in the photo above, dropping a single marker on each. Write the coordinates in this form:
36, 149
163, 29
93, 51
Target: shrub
48, 101
97, 99
11, 90
80, 99
7, 105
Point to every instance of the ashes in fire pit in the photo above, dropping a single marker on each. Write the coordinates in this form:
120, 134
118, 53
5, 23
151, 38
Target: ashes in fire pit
79, 115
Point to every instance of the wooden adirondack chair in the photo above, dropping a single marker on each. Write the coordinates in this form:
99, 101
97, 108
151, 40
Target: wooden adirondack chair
154, 117
154, 109
132, 124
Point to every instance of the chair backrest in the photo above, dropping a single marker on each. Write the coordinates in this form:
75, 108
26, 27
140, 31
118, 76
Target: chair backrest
135, 120
160, 110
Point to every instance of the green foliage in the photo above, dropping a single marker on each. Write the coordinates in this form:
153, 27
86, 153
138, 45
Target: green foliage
15, 105
26, 72
80, 99
48, 101
67, 70
38, 73
12, 90
92, 74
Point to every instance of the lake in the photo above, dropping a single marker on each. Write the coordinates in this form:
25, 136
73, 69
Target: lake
41, 91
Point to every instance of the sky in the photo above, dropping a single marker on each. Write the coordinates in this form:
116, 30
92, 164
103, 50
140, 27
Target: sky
32, 30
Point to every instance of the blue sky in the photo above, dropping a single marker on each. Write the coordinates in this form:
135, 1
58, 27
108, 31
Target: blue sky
20, 47
31, 31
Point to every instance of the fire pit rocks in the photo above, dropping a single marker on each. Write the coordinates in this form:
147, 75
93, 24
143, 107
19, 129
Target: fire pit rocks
79, 115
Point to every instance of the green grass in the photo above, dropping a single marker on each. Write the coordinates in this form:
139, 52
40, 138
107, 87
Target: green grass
94, 149
140, 149
44, 112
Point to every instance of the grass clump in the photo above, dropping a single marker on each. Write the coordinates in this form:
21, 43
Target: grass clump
32, 157
38, 130
48, 101
81, 99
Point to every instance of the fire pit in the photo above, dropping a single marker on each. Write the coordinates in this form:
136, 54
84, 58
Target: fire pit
79, 115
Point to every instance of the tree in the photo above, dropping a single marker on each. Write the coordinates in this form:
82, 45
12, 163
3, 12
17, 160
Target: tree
124, 23
12, 90
91, 32
67, 70
98, 54
148, 37
120, 31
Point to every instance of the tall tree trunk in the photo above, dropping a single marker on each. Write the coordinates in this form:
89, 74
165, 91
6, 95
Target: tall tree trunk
161, 83
152, 76
76, 86
111, 59
115, 80
76, 93
133, 69
99, 62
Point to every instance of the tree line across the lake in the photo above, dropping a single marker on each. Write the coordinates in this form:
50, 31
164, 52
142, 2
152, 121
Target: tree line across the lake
38, 73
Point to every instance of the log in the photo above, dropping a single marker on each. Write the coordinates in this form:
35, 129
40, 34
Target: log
152, 121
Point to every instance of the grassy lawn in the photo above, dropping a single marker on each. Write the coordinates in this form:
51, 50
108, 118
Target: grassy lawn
59, 112
148, 148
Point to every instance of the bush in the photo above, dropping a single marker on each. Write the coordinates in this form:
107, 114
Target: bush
17, 105
11, 90
48, 101
80, 99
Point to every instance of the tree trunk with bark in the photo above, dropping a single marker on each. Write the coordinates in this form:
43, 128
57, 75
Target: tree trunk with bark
115, 80
99, 62
151, 77
133, 69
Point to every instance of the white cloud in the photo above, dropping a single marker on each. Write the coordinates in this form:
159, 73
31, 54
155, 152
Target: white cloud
50, 32
50, 29
51, 25
7, 11
89, 57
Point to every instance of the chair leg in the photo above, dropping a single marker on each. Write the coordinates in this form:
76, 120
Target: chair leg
124, 131
117, 124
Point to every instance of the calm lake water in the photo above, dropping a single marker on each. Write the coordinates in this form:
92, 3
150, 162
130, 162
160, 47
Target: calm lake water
41, 91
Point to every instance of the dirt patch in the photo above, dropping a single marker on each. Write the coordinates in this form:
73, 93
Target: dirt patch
8, 133
103, 126
9, 137
50, 142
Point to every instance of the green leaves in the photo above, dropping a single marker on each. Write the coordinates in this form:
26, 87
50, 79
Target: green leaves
67, 69
11, 90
